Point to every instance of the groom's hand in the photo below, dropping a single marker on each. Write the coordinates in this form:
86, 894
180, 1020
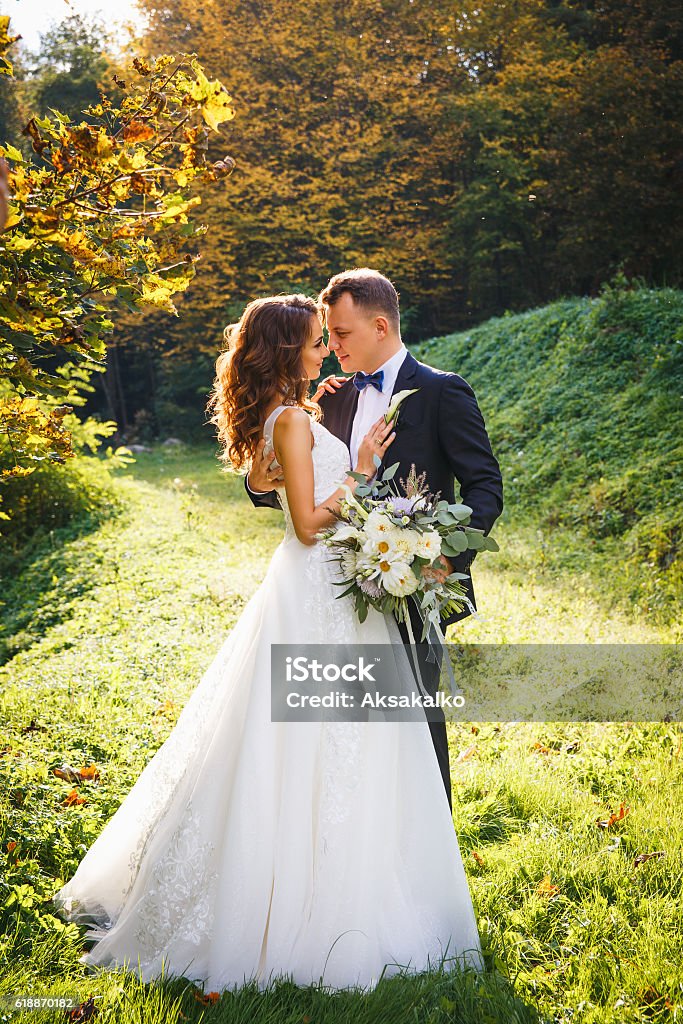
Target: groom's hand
265, 473
441, 573
328, 386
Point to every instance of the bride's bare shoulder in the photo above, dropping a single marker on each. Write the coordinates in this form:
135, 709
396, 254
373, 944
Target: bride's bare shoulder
293, 416
292, 423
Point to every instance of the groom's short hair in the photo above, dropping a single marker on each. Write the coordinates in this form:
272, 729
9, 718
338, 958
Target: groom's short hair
368, 288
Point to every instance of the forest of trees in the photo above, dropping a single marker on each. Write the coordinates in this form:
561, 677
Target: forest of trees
488, 156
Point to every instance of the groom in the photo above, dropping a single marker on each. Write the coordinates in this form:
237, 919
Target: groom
440, 429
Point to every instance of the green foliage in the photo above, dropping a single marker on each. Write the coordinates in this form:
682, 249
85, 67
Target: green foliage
181, 396
484, 157
99, 221
52, 494
69, 68
9, 99
582, 401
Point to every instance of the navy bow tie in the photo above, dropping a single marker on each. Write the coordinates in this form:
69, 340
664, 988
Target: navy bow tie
361, 380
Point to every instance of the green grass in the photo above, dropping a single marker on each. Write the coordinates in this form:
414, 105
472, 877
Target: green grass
583, 401
110, 632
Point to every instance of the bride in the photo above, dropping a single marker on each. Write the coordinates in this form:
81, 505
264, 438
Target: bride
250, 849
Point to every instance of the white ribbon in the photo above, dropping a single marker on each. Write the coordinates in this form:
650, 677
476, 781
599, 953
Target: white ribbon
413, 647
434, 624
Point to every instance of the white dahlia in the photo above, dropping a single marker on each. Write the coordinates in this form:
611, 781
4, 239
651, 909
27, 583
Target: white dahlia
407, 544
378, 525
429, 545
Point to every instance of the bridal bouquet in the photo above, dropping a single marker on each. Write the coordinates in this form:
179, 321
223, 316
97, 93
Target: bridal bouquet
388, 545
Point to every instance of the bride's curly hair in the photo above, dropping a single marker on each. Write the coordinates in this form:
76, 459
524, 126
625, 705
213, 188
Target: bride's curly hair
261, 359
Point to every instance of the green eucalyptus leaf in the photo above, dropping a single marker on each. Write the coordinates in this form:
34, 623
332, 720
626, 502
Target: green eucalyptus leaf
460, 511
457, 541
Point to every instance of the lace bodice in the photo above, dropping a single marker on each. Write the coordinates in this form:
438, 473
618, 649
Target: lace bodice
331, 464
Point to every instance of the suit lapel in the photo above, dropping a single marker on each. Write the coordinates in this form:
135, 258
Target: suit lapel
347, 412
406, 372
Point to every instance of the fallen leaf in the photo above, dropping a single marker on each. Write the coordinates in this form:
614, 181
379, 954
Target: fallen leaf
643, 857
650, 996
167, 708
69, 774
33, 727
463, 755
209, 998
73, 799
546, 888
613, 818
84, 1011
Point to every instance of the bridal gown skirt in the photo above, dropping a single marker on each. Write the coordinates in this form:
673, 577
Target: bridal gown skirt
249, 849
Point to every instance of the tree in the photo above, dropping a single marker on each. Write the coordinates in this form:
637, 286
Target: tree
339, 148
101, 222
488, 155
70, 68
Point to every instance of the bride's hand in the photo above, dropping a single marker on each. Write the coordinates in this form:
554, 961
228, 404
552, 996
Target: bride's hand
328, 386
376, 441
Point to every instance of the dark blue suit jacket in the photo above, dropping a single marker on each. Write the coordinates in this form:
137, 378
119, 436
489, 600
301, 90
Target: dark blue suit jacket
441, 430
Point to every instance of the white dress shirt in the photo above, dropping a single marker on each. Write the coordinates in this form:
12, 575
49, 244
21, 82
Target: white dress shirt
373, 403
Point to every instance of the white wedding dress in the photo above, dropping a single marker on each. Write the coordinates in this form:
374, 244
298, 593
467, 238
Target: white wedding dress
249, 849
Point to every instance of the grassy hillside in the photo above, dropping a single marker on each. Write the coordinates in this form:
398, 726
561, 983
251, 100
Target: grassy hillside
583, 402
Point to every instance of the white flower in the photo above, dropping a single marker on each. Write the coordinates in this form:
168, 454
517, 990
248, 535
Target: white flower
351, 502
382, 546
397, 578
406, 544
347, 532
395, 402
429, 545
377, 525
348, 563
390, 541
